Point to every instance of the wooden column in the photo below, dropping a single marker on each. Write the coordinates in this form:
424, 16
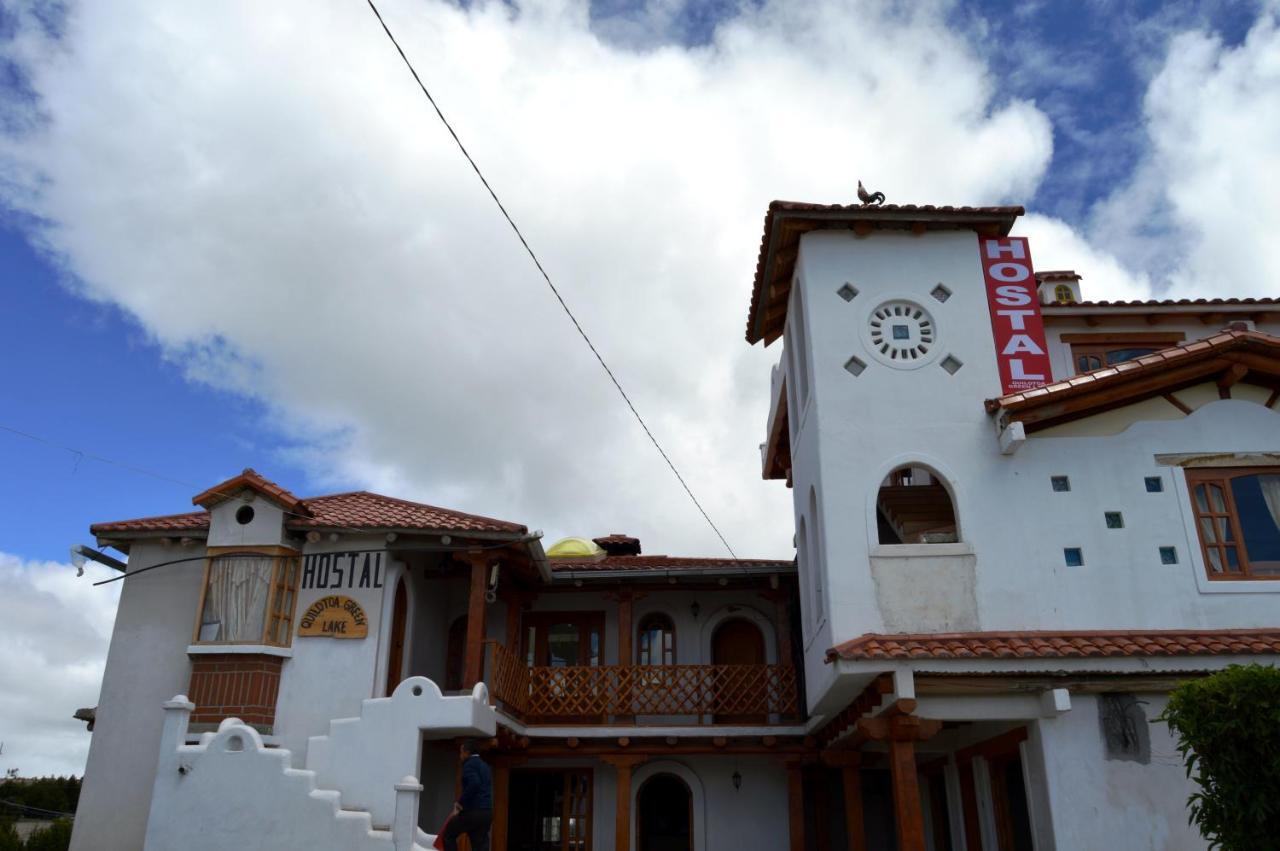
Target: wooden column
501, 804
902, 730
475, 620
850, 765
906, 795
795, 803
622, 809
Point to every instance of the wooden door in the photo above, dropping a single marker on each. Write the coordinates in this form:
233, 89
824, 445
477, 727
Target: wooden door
736, 641
395, 660
664, 815
550, 810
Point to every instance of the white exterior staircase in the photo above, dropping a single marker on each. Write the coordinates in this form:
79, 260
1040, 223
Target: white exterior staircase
359, 791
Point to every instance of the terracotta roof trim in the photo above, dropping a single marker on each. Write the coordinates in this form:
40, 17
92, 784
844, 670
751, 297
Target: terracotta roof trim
611, 564
1001, 218
362, 510
1172, 302
1058, 645
248, 479
1154, 363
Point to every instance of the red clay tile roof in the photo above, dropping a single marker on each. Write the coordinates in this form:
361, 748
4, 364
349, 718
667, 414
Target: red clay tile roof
659, 563
1058, 645
1144, 377
1057, 275
1171, 302
254, 481
786, 221
356, 510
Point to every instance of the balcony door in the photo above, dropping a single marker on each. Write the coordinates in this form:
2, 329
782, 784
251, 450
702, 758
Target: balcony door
564, 651
735, 642
564, 639
550, 810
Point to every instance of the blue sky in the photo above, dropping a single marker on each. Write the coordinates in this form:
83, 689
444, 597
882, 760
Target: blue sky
88, 376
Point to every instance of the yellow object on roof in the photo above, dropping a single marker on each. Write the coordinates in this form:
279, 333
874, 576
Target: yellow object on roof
575, 548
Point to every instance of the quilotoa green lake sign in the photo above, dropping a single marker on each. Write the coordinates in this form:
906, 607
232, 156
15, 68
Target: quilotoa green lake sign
335, 616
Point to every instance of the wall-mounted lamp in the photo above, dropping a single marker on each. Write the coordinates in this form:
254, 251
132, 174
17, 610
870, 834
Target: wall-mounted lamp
694, 608
737, 780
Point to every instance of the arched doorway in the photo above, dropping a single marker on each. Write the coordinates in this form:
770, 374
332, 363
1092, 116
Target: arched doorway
664, 813
395, 659
736, 641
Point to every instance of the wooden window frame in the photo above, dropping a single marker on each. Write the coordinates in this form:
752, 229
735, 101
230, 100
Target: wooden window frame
1222, 476
286, 568
540, 622
1083, 345
669, 646
568, 771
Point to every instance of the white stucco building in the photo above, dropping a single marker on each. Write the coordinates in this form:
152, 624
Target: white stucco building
1021, 518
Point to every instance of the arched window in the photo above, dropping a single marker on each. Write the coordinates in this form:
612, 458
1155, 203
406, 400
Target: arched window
657, 641
914, 507
1062, 294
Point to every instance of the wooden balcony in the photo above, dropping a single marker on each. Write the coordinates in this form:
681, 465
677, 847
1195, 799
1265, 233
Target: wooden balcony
602, 694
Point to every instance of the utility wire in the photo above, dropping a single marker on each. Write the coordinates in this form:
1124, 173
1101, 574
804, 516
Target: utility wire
547, 278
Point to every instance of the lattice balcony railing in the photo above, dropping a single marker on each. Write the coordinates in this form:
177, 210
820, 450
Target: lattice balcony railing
720, 694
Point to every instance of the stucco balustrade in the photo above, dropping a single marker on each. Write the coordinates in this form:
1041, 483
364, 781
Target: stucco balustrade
589, 694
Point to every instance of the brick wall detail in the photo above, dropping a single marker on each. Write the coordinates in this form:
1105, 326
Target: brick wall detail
235, 685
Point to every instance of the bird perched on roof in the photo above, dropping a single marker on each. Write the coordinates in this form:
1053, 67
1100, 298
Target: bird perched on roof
868, 198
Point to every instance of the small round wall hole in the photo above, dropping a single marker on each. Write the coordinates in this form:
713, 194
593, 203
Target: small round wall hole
244, 515
417, 691
235, 743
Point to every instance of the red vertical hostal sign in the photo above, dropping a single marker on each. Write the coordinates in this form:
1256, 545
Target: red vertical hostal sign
1015, 313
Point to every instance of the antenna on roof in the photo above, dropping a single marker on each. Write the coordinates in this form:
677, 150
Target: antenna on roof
869, 198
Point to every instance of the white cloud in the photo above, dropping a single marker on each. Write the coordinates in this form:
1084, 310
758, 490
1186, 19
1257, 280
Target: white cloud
1203, 207
269, 194
52, 650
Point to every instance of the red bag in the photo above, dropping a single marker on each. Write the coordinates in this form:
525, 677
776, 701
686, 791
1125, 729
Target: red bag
439, 843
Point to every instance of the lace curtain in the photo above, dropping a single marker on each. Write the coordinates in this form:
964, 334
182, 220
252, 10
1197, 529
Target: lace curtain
235, 604
1271, 493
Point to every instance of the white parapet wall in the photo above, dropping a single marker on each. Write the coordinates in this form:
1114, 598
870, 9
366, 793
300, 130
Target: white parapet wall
358, 792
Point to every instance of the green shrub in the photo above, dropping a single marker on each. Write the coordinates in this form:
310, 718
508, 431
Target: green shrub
1228, 727
55, 837
9, 840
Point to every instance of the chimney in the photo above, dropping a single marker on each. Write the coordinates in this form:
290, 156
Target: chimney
618, 544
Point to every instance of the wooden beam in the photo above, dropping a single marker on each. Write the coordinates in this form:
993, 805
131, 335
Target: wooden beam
624, 629
515, 605
1230, 378
907, 812
475, 619
1176, 402
795, 804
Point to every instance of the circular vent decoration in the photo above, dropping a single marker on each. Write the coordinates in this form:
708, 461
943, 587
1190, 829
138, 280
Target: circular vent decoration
901, 333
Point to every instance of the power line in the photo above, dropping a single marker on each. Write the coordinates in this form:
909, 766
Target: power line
547, 278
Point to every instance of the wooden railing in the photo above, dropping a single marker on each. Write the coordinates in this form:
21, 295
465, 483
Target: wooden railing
717, 694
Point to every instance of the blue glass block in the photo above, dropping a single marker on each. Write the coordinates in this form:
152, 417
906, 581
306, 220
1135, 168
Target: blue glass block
1115, 520
1155, 484
1168, 555
1074, 556
1060, 484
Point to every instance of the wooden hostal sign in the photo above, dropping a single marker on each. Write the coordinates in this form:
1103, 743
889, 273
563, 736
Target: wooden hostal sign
334, 617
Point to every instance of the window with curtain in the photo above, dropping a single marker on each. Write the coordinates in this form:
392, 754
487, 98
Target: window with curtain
248, 599
657, 641
1237, 511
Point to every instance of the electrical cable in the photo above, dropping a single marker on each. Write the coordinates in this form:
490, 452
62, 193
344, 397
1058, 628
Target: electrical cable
546, 277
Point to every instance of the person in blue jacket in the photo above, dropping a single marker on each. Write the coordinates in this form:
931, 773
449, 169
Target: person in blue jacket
473, 813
